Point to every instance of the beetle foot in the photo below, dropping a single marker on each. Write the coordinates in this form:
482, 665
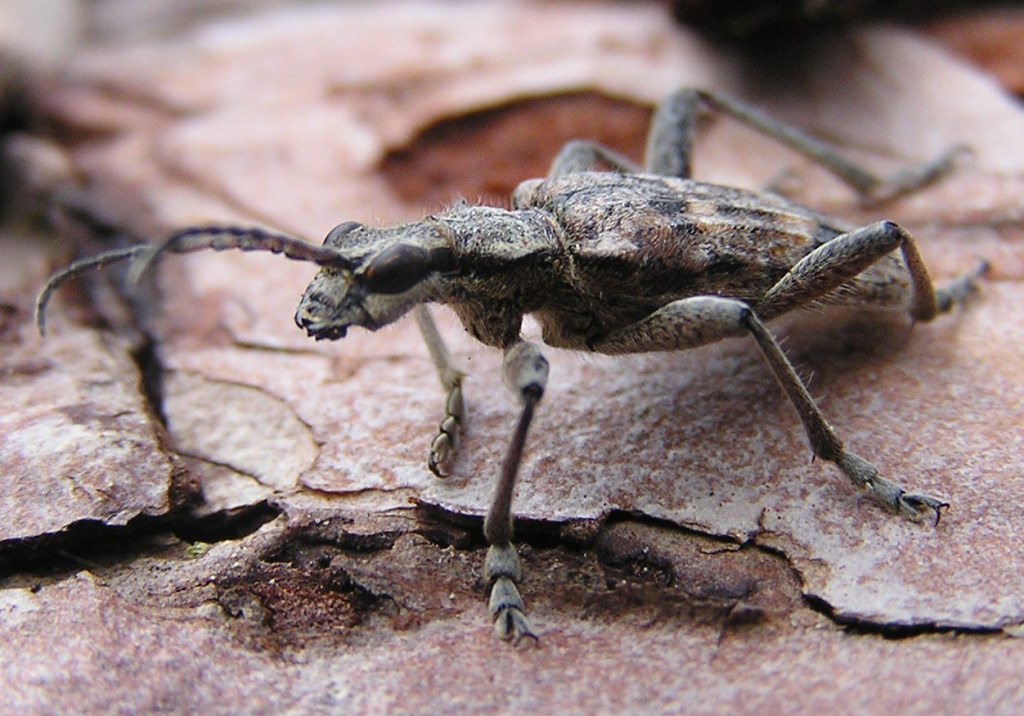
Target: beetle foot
915, 508
911, 506
503, 571
442, 450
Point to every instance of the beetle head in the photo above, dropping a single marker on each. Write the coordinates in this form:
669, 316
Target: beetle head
389, 272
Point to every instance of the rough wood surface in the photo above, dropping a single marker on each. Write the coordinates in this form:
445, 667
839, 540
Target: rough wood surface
682, 552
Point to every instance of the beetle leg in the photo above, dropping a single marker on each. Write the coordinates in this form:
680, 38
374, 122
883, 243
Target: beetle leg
444, 445
670, 138
691, 322
837, 262
582, 156
526, 374
826, 443
669, 146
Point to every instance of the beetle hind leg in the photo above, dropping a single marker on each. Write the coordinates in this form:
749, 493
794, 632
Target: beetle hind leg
699, 320
827, 445
833, 264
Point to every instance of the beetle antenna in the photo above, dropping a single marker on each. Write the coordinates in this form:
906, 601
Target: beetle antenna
77, 268
223, 238
218, 238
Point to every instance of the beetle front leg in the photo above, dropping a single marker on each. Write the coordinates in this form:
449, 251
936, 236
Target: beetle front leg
691, 322
526, 373
445, 443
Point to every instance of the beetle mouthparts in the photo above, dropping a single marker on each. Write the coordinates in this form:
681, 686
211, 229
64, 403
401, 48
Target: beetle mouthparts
330, 333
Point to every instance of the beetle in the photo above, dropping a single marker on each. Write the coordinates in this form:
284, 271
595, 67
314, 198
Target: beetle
630, 260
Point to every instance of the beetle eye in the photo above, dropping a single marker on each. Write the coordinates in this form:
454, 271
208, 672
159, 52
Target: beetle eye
336, 236
396, 269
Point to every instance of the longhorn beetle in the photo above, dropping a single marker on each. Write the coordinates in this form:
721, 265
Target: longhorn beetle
623, 261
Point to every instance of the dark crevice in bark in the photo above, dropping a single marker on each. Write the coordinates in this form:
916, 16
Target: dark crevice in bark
88, 543
152, 375
890, 630
82, 545
227, 524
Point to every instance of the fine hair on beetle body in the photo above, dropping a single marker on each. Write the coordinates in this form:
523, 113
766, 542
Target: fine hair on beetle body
631, 260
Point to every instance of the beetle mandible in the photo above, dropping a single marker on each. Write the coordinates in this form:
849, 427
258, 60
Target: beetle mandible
625, 261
